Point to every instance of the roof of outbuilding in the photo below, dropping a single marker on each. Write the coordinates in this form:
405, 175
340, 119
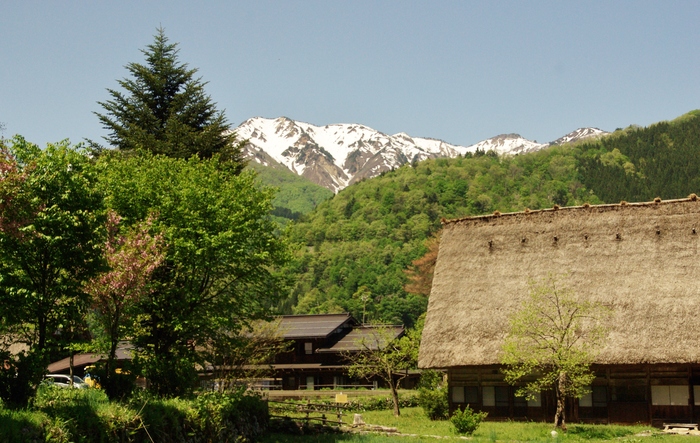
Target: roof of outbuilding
313, 326
81, 360
370, 337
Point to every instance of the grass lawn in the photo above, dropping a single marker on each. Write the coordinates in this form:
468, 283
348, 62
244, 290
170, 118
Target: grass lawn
413, 421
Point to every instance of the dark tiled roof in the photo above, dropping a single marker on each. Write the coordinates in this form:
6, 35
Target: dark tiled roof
366, 337
80, 360
313, 326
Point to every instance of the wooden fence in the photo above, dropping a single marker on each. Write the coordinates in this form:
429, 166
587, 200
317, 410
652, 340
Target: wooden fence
308, 411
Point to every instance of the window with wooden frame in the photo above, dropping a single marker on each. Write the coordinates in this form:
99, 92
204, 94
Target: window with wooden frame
465, 394
596, 398
670, 395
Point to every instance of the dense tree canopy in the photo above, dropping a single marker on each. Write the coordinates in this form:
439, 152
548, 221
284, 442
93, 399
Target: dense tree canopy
51, 232
220, 249
164, 109
639, 164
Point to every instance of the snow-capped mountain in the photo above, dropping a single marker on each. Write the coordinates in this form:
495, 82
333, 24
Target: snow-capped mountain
507, 144
337, 155
579, 134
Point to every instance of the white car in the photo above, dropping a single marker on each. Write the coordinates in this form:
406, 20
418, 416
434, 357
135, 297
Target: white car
63, 381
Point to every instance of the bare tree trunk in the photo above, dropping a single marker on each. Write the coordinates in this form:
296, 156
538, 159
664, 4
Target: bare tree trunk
394, 395
560, 416
70, 368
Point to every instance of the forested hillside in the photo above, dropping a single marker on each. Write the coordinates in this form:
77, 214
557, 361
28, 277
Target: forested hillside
296, 196
639, 164
354, 248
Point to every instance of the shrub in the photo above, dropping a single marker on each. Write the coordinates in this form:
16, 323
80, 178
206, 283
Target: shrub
224, 417
467, 421
432, 395
84, 415
210, 417
431, 379
434, 403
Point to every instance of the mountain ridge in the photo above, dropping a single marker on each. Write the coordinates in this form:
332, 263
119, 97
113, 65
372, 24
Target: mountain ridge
340, 154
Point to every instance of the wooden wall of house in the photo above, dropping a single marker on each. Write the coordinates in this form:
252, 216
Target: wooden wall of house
620, 394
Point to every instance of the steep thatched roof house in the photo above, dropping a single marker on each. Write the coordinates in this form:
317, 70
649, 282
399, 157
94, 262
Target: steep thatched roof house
642, 259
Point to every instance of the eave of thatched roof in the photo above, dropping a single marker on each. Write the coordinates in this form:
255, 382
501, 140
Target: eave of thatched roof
639, 258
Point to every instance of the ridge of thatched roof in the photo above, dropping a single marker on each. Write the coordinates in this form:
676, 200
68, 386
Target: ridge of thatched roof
585, 206
641, 259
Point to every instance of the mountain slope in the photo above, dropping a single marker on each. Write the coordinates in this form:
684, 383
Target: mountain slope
296, 195
639, 164
364, 238
338, 155
369, 233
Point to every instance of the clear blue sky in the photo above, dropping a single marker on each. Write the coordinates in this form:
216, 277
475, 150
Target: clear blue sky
461, 71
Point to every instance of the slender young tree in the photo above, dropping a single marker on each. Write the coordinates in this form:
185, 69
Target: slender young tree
383, 355
163, 109
552, 342
132, 255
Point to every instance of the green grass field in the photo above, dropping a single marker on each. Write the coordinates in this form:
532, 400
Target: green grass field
413, 421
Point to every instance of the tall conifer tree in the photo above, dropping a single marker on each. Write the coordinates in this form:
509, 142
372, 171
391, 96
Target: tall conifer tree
165, 110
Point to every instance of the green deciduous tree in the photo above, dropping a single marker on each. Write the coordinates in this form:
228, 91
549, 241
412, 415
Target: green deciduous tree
552, 342
216, 273
51, 232
164, 109
383, 355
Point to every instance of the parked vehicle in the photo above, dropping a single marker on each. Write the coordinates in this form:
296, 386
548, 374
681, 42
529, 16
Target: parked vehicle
63, 381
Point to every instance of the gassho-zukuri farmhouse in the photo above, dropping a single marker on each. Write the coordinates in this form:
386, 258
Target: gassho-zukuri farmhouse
640, 259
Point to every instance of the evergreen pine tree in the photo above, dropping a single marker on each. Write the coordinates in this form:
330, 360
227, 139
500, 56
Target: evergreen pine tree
164, 109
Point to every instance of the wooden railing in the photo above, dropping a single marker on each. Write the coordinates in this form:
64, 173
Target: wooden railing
307, 411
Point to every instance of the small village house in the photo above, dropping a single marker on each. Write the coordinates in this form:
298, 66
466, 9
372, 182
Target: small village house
640, 259
318, 345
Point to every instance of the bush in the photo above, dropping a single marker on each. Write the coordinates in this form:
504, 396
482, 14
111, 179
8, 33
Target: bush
237, 416
371, 403
85, 415
211, 417
467, 421
432, 395
431, 379
434, 403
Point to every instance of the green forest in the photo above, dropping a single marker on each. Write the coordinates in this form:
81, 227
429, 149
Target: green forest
352, 252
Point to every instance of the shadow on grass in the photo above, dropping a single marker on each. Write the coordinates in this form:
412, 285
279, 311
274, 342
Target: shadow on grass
590, 432
20, 426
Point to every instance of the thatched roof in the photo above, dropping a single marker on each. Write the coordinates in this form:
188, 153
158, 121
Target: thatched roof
641, 259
